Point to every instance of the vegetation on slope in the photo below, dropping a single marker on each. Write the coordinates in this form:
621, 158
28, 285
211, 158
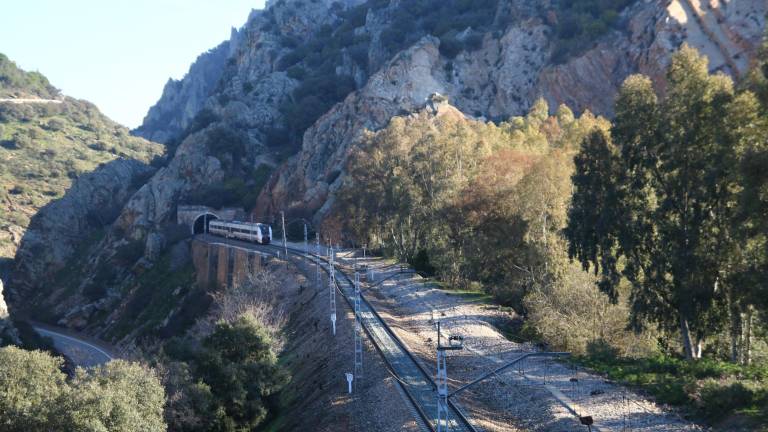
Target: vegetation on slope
223, 375
578, 23
15, 82
44, 147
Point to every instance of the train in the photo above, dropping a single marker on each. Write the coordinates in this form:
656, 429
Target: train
253, 232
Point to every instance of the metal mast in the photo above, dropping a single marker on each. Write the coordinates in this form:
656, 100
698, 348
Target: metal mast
332, 291
358, 331
285, 244
317, 261
306, 243
455, 343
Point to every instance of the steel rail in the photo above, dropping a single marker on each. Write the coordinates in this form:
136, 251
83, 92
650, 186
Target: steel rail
457, 413
425, 419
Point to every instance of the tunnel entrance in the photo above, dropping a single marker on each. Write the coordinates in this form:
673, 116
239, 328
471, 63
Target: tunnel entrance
201, 223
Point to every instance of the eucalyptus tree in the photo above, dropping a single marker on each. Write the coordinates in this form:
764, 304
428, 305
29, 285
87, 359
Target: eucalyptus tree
653, 201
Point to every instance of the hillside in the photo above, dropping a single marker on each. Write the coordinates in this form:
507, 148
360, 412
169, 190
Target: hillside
448, 134
45, 146
266, 121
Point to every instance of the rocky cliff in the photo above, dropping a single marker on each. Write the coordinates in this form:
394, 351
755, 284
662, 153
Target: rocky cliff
509, 68
508, 73
294, 89
8, 333
84, 214
182, 99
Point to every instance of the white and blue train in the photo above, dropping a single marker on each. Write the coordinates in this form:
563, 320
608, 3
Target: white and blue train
253, 232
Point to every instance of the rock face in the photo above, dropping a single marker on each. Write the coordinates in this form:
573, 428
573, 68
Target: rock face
92, 203
182, 99
7, 331
507, 74
3, 306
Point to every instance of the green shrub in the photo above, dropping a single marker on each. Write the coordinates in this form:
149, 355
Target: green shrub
32, 340
227, 140
239, 365
130, 252
296, 72
22, 141
422, 264
600, 350
581, 22
55, 125
720, 399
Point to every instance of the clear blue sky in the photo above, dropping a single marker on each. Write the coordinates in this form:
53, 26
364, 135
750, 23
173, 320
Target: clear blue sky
117, 54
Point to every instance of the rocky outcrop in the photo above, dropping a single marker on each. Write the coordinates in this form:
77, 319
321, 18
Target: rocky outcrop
8, 333
155, 203
183, 99
728, 33
507, 74
3, 307
242, 69
93, 202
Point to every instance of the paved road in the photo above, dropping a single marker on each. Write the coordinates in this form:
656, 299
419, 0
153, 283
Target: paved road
24, 101
82, 352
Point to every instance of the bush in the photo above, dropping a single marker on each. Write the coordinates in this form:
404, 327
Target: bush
97, 288
421, 263
239, 365
296, 72
129, 253
204, 118
22, 141
581, 22
276, 137
98, 146
449, 46
719, 400
601, 350
36, 396
32, 340
55, 125
174, 233
222, 140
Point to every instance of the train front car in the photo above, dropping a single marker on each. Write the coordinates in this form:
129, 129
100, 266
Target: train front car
266, 233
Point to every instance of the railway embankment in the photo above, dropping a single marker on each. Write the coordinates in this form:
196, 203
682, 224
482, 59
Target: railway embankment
538, 394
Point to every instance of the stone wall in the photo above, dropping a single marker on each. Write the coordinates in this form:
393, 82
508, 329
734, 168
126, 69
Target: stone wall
223, 265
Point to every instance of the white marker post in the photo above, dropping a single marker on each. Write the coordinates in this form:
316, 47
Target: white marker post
350, 378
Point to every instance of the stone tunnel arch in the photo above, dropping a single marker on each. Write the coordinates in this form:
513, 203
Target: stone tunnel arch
200, 226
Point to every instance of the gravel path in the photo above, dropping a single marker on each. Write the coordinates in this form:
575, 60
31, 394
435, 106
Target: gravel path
538, 394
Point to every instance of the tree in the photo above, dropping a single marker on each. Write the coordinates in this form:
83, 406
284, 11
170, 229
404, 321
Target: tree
239, 366
118, 396
31, 384
36, 396
652, 206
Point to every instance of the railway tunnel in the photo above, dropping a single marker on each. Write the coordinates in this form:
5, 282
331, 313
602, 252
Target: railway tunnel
197, 217
201, 223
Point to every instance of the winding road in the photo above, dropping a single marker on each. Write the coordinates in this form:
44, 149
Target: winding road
82, 351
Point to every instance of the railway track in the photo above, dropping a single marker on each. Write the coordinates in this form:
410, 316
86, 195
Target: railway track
415, 381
